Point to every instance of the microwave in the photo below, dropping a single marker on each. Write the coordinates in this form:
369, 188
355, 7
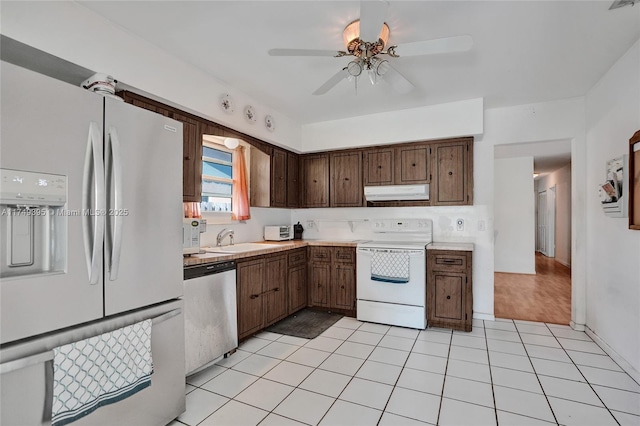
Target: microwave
278, 233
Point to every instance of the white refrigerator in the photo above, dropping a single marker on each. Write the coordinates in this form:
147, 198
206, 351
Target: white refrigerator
91, 197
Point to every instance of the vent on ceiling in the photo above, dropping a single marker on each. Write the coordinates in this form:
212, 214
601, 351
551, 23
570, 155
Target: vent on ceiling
622, 3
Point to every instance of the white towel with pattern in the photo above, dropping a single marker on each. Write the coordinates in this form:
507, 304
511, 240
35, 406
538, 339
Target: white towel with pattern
100, 370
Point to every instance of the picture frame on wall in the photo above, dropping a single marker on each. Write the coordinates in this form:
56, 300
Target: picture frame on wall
634, 181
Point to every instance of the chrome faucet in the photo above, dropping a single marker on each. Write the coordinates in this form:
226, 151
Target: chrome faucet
222, 234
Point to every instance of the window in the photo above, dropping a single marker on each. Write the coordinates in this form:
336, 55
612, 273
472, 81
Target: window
217, 178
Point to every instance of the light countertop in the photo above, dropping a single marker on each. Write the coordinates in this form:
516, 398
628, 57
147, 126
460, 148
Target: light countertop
450, 246
199, 259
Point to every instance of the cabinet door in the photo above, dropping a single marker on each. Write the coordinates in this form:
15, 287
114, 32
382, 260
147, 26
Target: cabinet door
346, 182
343, 286
293, 187
319, 281
297, 288
412, 165
275, 289
316, 180
191, 159
453, 174
448, 296
379, 167
249, 295
278, 178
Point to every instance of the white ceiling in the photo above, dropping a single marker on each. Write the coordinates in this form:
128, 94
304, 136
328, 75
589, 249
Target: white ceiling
524, 51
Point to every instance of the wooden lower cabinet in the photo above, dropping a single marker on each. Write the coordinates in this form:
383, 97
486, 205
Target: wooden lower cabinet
297, 280
275, 289
449, 289
268, 288
249, 279
332, 278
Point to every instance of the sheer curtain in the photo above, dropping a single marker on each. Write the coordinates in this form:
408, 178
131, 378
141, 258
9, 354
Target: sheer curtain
240, 194
191, 210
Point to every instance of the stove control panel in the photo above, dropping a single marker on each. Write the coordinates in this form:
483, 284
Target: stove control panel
402, 225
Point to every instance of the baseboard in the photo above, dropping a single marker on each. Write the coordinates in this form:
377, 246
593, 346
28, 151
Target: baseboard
577, 327
624, 364
567, 264
481, 316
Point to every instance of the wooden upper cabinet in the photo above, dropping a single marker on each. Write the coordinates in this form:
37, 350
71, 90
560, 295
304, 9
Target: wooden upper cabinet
315, 182
191, 158
453, 173
278, 178
346, 179
293, 180
412, 165
379, 167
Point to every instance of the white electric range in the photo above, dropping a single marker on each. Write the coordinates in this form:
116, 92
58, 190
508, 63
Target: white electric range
391, 273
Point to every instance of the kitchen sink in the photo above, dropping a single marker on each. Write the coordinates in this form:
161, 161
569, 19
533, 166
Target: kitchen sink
241, 248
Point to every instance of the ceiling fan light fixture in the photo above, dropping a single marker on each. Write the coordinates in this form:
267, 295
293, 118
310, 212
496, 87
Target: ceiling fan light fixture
354, 68
352, 42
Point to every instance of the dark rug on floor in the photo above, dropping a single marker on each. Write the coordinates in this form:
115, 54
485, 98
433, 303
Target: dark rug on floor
306, 323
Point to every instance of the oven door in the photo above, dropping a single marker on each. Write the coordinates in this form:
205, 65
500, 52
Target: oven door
392, 275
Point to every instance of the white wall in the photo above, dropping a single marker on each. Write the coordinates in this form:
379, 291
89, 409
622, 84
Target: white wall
76, 34
613, 258
463, 118
514, 215
249, 231
549, 121
561, 178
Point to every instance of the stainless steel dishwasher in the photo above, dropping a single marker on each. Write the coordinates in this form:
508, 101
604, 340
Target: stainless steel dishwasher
210, 316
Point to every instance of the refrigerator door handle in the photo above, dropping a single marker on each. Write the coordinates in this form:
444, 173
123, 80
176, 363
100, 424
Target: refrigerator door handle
93, 203
117, 213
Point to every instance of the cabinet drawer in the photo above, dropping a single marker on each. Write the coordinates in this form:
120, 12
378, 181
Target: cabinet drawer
320, 254
345, 255
449, 262
297, 257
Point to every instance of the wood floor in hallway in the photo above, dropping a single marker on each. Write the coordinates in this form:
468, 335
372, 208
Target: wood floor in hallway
544, 297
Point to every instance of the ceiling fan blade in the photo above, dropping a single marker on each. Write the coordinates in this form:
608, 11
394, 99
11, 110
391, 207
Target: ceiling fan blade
372, 14
329, 84
303, 52
399, 82
439, 45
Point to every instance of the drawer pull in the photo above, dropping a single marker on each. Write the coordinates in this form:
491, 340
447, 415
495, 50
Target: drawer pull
448, 297
254, 296
449, 260
276, 289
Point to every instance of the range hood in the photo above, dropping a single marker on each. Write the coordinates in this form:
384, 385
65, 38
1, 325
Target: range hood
396, 192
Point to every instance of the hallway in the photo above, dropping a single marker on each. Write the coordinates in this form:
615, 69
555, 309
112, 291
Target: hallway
544, 297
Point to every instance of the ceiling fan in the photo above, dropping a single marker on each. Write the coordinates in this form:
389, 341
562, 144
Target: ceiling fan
366, 39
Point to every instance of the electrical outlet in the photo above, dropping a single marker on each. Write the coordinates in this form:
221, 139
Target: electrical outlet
460, 224
481, 225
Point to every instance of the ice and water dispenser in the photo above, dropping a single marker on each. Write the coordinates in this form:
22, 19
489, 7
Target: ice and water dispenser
33, 223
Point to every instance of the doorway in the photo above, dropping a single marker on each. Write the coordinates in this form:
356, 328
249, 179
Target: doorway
543, 292
546, 214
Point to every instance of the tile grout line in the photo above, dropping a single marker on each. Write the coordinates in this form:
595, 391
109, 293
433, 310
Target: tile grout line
585, 378
493, 394
536, 374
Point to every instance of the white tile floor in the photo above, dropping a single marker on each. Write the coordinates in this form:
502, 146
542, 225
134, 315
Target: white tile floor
504, 372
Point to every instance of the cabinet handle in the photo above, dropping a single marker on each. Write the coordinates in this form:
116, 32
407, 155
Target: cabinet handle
276, 289
450, 173
413, 165
448, 260
346, 178
341, 286
379, 167
448, 297
315, 181
254, 296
